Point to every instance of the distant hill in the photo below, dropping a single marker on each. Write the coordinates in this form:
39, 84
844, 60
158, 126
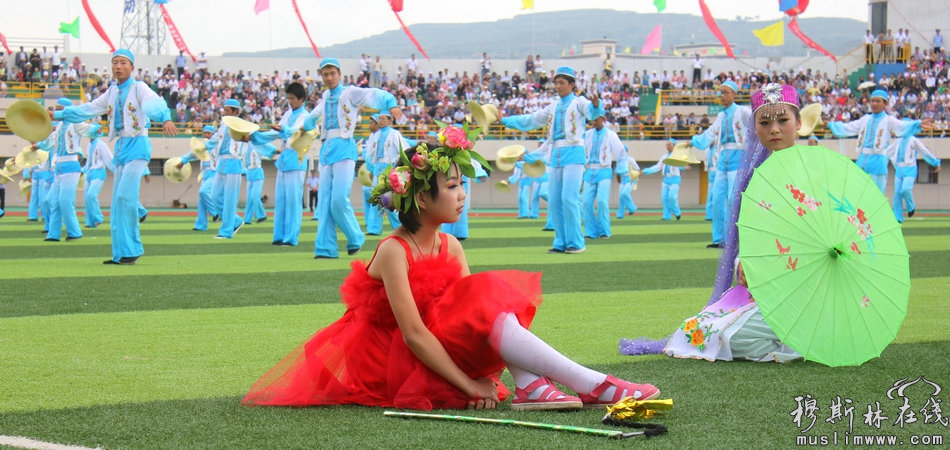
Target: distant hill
550, 33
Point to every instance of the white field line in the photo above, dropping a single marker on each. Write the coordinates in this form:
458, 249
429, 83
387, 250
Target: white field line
22, 442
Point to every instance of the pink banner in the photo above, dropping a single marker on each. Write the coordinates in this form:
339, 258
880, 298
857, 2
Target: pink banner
408, 33
711, 23
793, 25
261, 6
176, 36
305, 30
96, 25
3, 40
654, 40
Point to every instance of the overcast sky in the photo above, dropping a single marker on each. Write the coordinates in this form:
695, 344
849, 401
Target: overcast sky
217, 26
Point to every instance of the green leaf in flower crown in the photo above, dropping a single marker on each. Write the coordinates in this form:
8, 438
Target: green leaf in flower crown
481, 160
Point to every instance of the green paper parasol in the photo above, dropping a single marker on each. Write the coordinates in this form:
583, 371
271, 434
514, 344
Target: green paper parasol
824, 257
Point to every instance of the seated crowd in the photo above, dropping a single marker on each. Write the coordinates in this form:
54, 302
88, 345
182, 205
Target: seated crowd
197, 96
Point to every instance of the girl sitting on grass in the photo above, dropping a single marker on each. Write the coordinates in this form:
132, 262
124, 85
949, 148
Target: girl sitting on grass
420, 331
731, 326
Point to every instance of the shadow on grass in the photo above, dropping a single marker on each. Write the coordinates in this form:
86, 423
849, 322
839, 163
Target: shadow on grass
717, 405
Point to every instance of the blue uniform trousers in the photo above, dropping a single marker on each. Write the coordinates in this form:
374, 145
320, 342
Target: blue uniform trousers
288, 206
335, 210
62, 201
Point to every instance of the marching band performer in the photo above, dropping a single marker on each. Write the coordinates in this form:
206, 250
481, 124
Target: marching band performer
65, 150
727, 134
670, 192
338, 112
627, 184
603, 148
291, 171
130, 105
383, 153
229, 154
254, 176
874, 135
98, 160
565, 119
903, 154
207, 207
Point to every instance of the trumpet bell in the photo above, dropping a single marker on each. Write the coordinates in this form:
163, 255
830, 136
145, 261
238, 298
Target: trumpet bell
682, 155
811, 118
175, 174
29, 120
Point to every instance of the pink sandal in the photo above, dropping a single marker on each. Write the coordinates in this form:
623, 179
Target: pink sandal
624, 389
551, 398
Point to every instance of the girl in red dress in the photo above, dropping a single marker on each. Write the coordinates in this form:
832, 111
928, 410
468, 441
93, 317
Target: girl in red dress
420, 331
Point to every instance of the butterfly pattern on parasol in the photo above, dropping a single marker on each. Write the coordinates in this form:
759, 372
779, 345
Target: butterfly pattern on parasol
826, 263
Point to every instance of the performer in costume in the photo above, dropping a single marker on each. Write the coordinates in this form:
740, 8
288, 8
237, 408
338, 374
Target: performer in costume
65, 150
728, 134
603, 149
421, 331
710, 166
338, 112
731, 325
254, 175
903, 154
627, 185
383, 153
524, 189
565, 119
43, 180
98, 160
291, 170
874, 135
130, 105
369, 152
459, 228
207, 169
229, 154
670, 192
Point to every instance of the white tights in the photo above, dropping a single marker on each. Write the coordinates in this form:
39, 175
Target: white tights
529, 358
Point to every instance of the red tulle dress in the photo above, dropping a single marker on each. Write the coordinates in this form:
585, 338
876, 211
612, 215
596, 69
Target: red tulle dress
362, 359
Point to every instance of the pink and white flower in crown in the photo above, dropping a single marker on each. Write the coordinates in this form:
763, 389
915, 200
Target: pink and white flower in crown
421, 161
399, 180
454, 137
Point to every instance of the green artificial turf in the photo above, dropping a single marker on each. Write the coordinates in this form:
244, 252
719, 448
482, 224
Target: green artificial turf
159, 354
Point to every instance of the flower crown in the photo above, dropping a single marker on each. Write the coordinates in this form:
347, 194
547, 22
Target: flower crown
397, 186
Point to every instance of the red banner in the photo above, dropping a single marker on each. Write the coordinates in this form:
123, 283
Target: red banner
711, 23
305, 30
3, 40
396, 5
793, 25
97, 26
411, 37
176, 36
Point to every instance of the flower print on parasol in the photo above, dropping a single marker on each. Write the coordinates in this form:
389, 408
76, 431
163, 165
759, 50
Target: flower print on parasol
823, 257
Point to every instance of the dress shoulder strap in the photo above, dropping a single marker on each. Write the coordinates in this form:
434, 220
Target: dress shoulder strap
444, 248
401, 241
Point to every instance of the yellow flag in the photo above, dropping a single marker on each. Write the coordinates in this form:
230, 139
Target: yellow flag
527, 4
626, 50
772, 35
